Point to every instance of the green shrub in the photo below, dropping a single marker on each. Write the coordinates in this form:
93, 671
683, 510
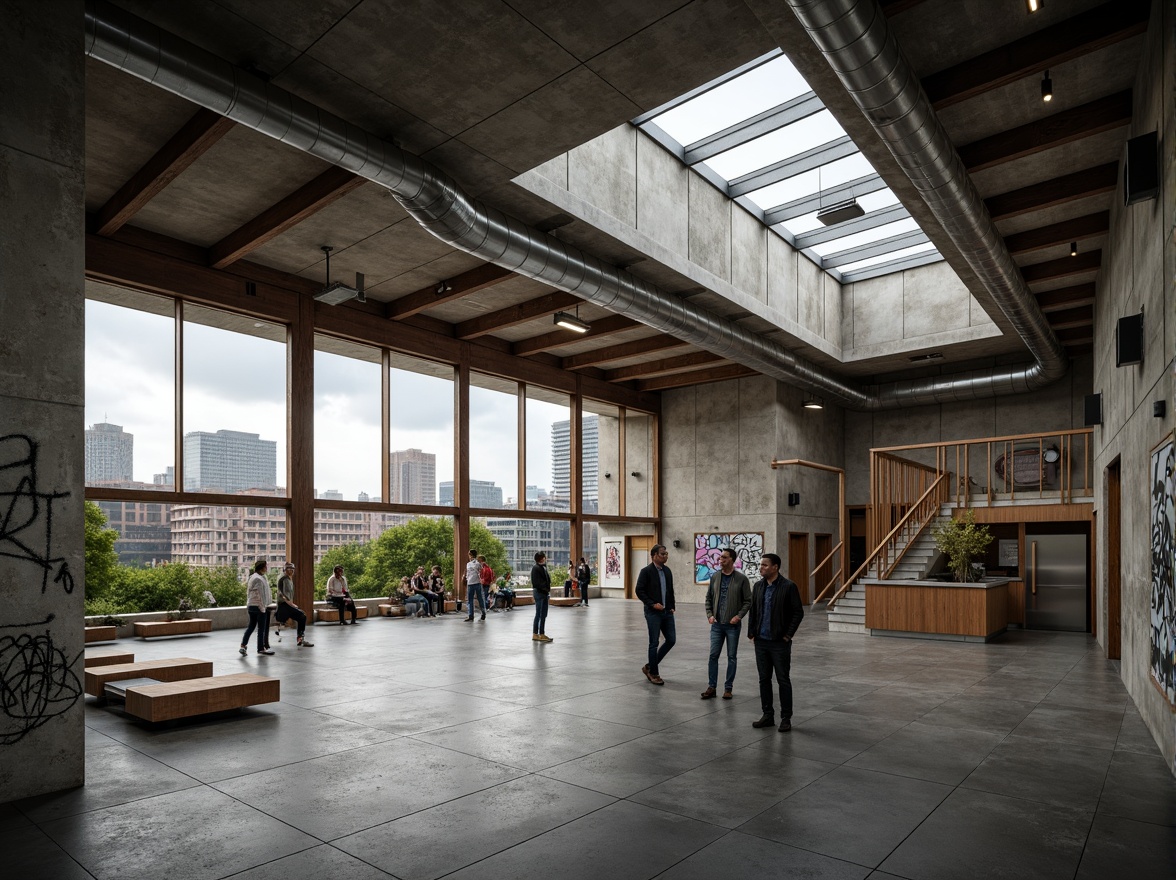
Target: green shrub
962, 540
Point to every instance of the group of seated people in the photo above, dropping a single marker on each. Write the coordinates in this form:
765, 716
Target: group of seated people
423, 596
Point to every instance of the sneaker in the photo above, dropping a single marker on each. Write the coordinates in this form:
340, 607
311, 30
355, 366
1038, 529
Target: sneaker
727, 694
545, 638
470, 619
785, 726
709, 693
534, 638
483, 615
265, 651
765, 721
303, 643
243, 650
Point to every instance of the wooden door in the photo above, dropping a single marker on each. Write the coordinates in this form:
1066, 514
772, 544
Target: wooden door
637, 549
822, 548
798, 563
1114, 528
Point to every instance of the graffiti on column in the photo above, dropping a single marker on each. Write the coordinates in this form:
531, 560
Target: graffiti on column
37, 681
26, 513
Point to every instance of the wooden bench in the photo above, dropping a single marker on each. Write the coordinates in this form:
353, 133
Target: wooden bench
564, 602
109, 658
201, 696
328, 615
101, 634
175, 669
156, 628
389, 611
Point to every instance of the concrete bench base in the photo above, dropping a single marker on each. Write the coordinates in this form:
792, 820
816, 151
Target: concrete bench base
331, 615
110, 658
175, 669
101, 634
201, 696
391, 610
157, 628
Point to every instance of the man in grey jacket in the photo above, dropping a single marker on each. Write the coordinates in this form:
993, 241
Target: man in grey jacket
728, 599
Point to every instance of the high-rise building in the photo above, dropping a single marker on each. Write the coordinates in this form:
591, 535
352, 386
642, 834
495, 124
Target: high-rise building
110, 454
523, 538
330, 495
589, 456
229, 461
144, 531
483, 493
413, 476
167, 478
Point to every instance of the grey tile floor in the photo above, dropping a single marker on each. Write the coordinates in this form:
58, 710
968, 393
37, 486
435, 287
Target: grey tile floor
425, 749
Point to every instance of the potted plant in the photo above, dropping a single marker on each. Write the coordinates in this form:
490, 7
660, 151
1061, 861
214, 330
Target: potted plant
961, 540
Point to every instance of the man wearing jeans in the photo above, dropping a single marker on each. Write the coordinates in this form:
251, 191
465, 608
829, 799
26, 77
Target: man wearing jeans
775, 614
473, 579
728, 599
655, 588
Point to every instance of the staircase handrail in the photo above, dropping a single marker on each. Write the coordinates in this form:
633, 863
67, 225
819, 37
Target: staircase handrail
832, 580
915, 508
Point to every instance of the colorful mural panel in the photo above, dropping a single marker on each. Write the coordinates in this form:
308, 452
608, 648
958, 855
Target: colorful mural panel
1163, 593
748, 547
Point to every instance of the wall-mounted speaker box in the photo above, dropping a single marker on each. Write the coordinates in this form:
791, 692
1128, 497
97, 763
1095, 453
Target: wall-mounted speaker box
1092, 410
793, 499
1141, 171
1129, 341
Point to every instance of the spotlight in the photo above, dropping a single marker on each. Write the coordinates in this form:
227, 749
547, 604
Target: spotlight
1073, 249
1046, 88
813, 402
442, 288
571, 322
1034, 5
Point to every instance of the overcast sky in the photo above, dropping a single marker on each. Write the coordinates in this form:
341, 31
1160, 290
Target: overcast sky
236, 382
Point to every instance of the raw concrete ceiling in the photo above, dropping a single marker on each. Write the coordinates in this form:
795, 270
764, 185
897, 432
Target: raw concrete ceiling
487, 89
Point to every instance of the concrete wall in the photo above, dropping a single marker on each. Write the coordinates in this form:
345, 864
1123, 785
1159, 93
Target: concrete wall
719, 440
1138, 271
42, 345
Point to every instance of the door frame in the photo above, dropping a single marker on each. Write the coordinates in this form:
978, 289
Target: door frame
803, 583
1114, 525
635, 542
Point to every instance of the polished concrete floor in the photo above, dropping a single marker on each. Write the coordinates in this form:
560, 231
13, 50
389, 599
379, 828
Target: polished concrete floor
421, 749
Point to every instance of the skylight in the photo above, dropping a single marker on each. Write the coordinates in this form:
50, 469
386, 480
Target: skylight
761, 135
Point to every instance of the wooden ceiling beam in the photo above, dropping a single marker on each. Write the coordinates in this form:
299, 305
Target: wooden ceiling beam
557, 338
187, 145
699, 377
1065, 319
471, 281
1069, 39
1062, 267
332, 184
1065, 297
1103, 114
1068, 188
666, 365
621, 351
1077, 229
1076, 335
519, 313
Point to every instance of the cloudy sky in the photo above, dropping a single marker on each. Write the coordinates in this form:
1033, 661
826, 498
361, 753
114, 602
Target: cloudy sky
236, 381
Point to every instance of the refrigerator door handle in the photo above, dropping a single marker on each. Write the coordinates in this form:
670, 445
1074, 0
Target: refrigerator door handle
1033, 565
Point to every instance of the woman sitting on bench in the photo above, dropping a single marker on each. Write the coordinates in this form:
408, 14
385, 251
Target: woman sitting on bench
415, 605
339, 596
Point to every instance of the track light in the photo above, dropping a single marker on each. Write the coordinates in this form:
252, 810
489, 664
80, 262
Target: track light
1034, 5
1073, 249
571, 322
1046, 88
442, 288
813, 402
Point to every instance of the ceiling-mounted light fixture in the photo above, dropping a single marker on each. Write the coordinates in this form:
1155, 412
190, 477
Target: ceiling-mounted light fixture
839, 213
813, 402
338, 293
1073, 249
442, 288
1034, 5
572, 322
1046, 88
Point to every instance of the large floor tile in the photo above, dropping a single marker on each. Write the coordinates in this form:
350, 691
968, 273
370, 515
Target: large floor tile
993, 714
1094, 727
28, 853
1124, 848
642, 705
319, 863
924, 751
833, 737
742, 855
1038, 770
418, 711
1139, 787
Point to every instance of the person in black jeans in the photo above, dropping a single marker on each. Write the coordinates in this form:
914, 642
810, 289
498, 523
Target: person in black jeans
655, 589
583, 578
775, 615
541, 590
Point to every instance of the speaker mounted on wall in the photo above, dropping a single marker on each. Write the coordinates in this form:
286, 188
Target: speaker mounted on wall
1129, 340
1141, 171
1092, 410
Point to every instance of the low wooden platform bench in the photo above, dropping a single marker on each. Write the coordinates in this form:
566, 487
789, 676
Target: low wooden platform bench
327, 615
564, 601
109, 658
156, 628
201, 696
390, 611
175, 669
101, 634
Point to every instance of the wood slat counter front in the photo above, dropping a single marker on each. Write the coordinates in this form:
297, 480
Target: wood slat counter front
973, 612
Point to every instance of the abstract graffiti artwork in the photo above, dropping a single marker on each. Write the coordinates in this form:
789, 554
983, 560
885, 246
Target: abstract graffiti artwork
26, 513
1163, 594
748, 547
38, 682
614, 569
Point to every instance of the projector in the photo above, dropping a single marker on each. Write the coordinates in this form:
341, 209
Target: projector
840, 212
337, 293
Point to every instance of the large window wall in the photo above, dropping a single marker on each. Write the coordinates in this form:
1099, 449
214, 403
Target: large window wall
342, 438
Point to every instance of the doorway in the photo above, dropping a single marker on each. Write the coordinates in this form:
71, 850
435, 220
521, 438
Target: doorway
637, 555
1114, 562
798, 561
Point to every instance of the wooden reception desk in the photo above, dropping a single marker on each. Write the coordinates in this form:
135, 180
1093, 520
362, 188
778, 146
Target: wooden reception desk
971, 612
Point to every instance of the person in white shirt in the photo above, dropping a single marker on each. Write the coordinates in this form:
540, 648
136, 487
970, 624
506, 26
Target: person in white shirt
338, 595
473, 579
258, 599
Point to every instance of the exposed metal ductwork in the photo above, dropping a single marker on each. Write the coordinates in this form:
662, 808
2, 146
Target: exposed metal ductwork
441, 207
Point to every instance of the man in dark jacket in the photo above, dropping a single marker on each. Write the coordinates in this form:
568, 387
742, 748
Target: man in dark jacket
655, 588
776, 613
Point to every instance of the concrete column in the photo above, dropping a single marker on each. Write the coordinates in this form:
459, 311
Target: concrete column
42, 394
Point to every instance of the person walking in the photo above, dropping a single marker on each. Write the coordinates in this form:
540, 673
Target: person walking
655, 589
339, 596
486, 580
583, 578
257, 598
775, 615
473, 579
287, 610
728, 599
541, 591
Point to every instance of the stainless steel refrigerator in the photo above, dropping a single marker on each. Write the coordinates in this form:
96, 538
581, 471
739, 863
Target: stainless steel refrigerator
1055, 585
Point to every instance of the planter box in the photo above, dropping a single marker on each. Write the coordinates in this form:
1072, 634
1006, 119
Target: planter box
155, 629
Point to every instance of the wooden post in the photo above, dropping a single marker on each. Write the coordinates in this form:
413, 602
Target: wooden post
461, 469
300, 442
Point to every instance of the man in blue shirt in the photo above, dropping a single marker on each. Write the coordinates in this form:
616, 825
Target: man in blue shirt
775, 615
728, 599
655, 588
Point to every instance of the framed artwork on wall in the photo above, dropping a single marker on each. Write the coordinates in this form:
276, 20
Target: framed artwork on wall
612, 565
1162, 480
748, 547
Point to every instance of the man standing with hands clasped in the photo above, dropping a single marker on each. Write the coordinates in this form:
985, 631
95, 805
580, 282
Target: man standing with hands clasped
728, 599
655, 588
776, 613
